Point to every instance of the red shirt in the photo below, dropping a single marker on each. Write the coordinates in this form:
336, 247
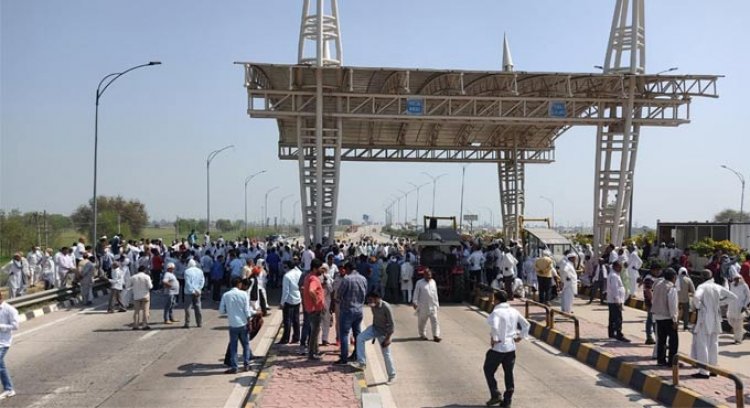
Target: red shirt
745, 272
312, 299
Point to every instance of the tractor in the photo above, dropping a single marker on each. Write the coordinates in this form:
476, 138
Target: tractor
436, 247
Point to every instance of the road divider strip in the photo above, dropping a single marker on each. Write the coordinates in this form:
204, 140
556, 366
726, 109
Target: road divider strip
629, 374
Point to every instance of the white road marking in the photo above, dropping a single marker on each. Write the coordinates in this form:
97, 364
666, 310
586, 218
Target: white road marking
152, 333
45, 400
52, 323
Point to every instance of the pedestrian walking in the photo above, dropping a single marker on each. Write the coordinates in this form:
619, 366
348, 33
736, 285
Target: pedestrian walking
235, 304
426, 303
116, 284
87, 269
685, 289
351, 296
290, 301
736, 311
615, 300
569, 278
382, 329
171, 290
313, 299
504, 322
708, 299
665, 312
217, 276
9, 322
407, 281
141, 285
193, 286
17, 276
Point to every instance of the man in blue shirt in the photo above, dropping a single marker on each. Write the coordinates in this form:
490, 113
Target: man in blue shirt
290, 301
351, 297
235, 304
193, 286
217, 275
272, 261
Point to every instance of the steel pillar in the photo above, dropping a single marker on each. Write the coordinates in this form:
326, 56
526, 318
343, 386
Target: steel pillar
617, 143
511, 177
319, 138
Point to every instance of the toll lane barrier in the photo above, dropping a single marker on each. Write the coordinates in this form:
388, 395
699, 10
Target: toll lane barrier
639, 380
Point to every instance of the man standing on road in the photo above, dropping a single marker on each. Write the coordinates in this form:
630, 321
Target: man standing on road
141, 285
290, 300
685, 288
736, 312
193, 286
217, 276
351, 296
116, 283
382, 329
615, 300
544, 267
171, 290
426, 303
665, 312
17, 276
8, 322
407, 282
235, 304
504, 322
313, 300
708, 299
569, 278
88, 268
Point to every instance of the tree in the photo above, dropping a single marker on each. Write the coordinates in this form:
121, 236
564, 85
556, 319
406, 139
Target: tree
730, 215
19, 231
223, 225
131, 213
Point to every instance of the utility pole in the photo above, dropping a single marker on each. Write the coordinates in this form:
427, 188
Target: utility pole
461, 211
434, 185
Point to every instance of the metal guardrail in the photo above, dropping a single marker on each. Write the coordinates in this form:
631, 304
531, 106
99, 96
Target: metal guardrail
543, 306
576, 323
52, 295
738, 387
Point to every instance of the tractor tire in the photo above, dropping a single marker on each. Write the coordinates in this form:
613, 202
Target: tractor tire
459, 288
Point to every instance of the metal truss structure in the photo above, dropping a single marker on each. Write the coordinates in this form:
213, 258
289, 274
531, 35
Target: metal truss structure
327, 112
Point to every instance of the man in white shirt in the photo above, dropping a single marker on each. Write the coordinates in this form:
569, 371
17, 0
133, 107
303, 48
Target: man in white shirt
665, 312
407, 283
116, 284
507, 266
634, 267
475, 261
569, 278
307, 256
8, 322
503, 321
141, 285
708, 299
171, 289
615, 300
736, 312
426, 303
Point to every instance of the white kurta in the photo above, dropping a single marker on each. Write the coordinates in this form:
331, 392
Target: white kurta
569, 279
427, 302
634, 265
708, 299
734, 313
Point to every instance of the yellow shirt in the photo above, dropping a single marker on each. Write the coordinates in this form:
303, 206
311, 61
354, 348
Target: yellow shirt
544, 266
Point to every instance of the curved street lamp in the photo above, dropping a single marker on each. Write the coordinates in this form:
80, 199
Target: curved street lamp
106, 82
210, 157
417, 188
742, 183
281, 210
434, 184
247, 180
552, 202
265, 208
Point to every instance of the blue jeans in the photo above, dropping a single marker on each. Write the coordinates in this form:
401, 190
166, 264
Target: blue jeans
649, 323
4, 376
169, 307
305, 329
239, 333
370, 334
349, 321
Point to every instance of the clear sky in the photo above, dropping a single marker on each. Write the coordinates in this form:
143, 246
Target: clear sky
158, 124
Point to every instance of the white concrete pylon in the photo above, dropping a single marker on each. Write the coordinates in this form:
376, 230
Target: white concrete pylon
507, 59
626, 50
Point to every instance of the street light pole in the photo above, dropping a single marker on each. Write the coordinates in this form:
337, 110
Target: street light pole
549, 200
106, 81
434, 185
281, 211
492, 216
417, 188
265, 209
406, 205
398, 206
247, 180
210, 157
294, 213
461, 211
742, 183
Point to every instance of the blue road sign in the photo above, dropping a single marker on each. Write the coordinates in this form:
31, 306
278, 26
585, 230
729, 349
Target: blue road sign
415, 106
557, 109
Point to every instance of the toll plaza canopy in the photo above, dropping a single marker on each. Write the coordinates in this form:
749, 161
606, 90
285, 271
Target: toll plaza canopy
399, 114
